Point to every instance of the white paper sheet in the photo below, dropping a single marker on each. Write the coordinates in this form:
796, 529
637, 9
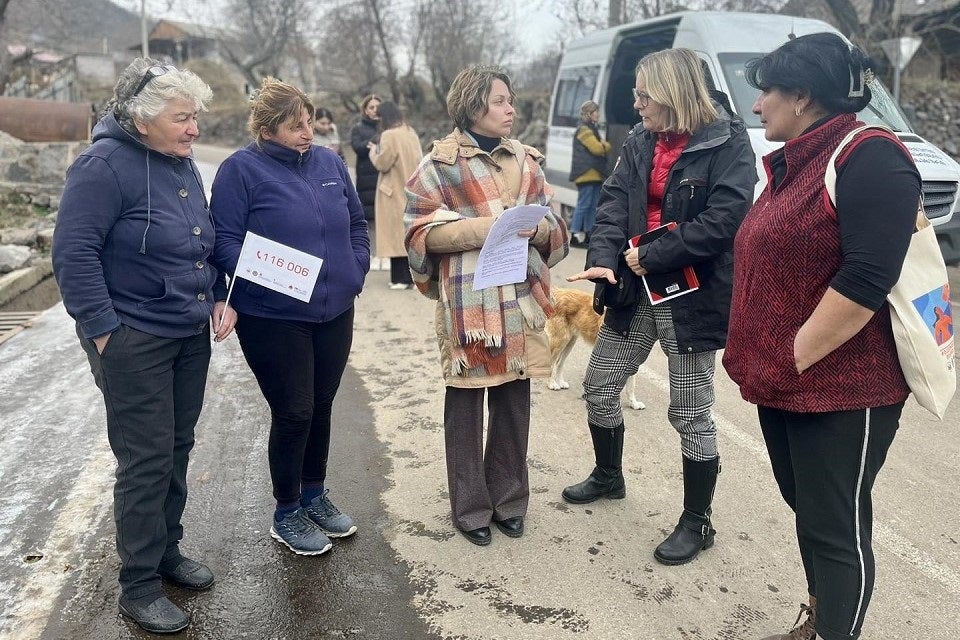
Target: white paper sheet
278, 267
503, 257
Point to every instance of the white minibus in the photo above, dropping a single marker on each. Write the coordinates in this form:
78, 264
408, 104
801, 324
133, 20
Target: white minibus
600, 67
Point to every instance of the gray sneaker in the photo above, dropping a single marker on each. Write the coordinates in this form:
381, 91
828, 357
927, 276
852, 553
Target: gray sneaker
300, 534
333, 523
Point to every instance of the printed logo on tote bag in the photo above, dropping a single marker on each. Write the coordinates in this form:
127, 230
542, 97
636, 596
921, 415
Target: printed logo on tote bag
934, 307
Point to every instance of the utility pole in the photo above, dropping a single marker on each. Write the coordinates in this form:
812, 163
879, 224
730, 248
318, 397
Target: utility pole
144, 41
896, 60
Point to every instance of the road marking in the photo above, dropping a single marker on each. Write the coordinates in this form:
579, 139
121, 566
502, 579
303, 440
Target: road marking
885, 537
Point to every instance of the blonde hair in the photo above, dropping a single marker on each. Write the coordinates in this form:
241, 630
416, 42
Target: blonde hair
675, 80
274, 103
467, 98
588, 107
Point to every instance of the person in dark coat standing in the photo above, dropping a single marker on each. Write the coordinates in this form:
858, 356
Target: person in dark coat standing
363, 133
689, 163
284, 188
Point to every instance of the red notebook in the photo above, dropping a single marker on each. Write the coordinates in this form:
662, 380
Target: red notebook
665, 286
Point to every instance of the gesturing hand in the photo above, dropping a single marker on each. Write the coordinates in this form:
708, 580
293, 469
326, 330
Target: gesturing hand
594, 273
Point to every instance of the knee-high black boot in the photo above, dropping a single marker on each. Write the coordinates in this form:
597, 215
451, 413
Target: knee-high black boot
694, 532
606, 479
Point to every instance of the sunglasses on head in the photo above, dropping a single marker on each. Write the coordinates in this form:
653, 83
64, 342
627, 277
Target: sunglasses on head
153, 72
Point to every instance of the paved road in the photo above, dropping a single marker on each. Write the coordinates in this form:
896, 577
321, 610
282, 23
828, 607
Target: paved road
578, 572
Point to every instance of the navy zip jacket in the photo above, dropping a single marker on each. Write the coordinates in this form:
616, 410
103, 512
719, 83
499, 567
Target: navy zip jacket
305, 201
132, 240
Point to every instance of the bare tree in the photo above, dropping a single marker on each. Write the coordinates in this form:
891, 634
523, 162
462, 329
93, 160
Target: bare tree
378, 11
265, 32
350, 54
616, 13
846, 18
458, 34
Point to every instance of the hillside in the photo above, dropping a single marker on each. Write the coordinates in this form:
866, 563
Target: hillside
75, 26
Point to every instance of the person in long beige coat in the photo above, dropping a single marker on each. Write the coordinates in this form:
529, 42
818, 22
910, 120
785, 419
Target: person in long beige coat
396, 158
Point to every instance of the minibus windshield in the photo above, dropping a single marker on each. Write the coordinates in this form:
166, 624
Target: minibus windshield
881, 109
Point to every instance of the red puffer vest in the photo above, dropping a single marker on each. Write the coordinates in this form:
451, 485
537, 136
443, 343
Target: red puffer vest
785, 255
665, 155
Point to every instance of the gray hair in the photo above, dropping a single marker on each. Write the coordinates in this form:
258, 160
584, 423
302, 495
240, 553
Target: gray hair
178, 84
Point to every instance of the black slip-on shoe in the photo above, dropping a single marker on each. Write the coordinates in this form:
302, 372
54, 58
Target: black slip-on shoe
480, 537
158, 616
187, 573
512, 527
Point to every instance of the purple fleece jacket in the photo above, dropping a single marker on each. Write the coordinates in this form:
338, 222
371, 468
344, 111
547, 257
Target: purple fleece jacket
305, 201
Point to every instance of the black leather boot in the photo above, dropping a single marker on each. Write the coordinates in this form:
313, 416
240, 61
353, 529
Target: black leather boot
694, 532
606, 479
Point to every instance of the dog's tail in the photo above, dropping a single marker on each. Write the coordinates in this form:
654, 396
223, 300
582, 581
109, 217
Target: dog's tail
569, 302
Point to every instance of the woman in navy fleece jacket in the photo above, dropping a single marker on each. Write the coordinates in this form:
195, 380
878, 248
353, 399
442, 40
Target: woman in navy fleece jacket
284, 188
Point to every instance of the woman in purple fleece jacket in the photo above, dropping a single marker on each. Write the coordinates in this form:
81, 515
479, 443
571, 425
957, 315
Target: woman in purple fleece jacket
286, 189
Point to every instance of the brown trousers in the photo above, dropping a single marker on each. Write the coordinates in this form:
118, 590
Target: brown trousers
491, 484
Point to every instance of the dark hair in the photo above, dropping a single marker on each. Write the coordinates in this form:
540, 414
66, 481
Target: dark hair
833, 72
322, 112
390, 116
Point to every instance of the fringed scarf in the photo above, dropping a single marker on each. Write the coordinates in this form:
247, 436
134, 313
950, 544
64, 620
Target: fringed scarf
485, 327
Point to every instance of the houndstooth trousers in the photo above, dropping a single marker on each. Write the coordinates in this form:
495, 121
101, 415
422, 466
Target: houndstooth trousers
616, 357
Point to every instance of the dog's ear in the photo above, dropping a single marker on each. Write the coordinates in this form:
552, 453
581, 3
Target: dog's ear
598, 296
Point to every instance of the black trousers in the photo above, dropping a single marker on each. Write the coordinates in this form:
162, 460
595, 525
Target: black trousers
298, 366
825, 465
400, 270
492, 483
153, 392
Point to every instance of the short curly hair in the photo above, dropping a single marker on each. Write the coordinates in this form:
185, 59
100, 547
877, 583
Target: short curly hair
144, 105
467, 98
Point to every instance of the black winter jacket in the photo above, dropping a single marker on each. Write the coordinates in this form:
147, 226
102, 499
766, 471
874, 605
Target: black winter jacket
709, 190
367, 175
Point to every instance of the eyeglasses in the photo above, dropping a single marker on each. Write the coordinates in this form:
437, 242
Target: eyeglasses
643, 99
153, 72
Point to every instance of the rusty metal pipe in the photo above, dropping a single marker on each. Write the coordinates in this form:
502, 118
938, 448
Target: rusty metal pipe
45, 120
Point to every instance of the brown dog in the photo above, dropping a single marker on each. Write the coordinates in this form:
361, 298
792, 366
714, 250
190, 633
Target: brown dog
574, 318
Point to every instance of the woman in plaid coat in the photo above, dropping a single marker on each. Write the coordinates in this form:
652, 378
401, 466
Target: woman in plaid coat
491, 341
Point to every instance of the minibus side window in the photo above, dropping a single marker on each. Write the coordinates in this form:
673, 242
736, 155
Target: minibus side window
574, 87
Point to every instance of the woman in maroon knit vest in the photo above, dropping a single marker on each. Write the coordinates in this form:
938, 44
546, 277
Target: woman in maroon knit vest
810, 340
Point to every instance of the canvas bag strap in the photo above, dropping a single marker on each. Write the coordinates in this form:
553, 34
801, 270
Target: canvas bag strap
830, 175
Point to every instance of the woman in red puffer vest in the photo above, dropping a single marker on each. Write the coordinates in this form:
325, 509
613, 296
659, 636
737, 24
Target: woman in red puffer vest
688, 163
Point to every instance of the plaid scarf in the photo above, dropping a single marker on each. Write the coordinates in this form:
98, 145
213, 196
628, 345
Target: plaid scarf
486, 327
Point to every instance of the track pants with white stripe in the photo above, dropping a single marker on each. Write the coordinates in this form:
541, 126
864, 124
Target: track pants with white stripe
825, 465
